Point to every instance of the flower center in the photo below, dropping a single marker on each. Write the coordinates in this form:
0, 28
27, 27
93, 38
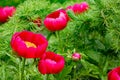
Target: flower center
30, 44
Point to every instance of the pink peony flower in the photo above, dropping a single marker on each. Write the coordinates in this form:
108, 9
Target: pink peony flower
9, 10
76, 56
56, 20
114, 74
51, 63
78, 8
28, 44
3, 17
6, 12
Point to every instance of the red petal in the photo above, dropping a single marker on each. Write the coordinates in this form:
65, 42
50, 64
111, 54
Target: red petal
19, 47
42, 67
41, 50
30, 52
27, 36
114, 74
9, 10
38, 39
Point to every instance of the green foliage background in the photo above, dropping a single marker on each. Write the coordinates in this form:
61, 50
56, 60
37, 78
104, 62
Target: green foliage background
95, 34
10, 2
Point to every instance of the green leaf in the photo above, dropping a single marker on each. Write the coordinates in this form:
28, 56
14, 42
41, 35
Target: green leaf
99, 45
65, 72
72, 15
93, 55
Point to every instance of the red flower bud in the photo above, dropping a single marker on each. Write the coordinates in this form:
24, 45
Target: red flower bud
56, 20
76, 56
6, 12
51, 63
69, 8
114, 74
28, 44
38, 21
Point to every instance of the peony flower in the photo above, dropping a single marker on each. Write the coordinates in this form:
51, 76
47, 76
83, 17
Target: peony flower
78, 8
38, 21
9, 10
76, 56
51, 63
114, 74
3, 17
28, 44
6, 12
56, 20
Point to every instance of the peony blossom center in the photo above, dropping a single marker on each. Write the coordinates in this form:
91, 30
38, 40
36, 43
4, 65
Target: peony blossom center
30, 44
50, 61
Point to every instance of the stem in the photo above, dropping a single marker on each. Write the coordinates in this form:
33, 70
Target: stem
103, 78
74, 72
45, 77
49, 35
22, 70
58, 35
59, 40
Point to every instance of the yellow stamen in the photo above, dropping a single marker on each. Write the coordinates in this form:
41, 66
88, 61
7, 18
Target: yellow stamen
30, 44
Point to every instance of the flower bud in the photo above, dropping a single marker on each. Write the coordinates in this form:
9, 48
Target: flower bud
76, 56
38, 21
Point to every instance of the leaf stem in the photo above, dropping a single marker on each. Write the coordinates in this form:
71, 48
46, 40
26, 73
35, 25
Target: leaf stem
59, 39
23, 67
49, 35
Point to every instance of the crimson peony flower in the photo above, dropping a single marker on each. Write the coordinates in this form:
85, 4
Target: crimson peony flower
38, 21
51, 63
114, 74
78, 8
6, 12
56, 20
28, 44
76, 56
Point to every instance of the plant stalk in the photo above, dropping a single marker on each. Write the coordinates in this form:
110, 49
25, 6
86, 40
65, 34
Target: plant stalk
23, 67
59, 39
45, 77
49, 35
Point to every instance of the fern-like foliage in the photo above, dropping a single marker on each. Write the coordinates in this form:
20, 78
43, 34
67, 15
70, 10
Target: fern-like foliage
95, 33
